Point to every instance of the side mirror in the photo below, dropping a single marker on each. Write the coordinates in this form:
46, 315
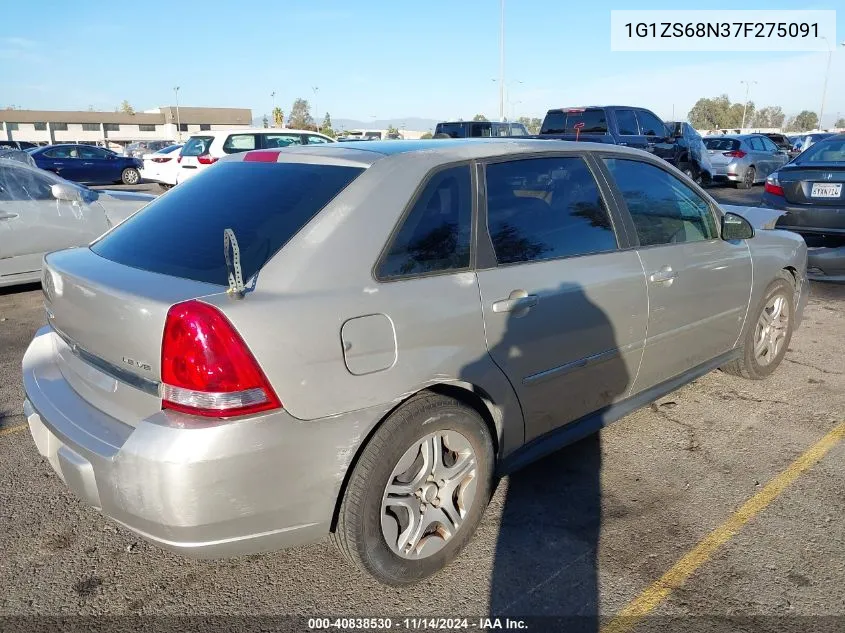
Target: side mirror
736, 227
66, 191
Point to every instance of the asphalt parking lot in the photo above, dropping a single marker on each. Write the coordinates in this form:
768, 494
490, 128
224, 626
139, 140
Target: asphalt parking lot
584, 532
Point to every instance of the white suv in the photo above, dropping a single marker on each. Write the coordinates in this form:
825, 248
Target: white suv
206, 148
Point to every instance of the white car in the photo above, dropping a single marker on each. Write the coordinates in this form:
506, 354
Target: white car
206, 148
162, 166
40, 213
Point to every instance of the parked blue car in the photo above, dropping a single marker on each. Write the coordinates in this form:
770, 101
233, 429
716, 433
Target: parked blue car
88, 164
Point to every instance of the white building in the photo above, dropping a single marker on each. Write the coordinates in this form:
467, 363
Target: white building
164, 124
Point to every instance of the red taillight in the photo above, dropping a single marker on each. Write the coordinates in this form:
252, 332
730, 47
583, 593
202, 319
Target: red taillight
772, 185
161, 160
207, 369
737, 153
206, 159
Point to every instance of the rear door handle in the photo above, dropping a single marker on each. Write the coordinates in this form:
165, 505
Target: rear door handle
664, 275
517, 301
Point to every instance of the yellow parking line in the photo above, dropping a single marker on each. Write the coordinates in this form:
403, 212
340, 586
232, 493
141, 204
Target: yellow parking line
13, 429
656, 593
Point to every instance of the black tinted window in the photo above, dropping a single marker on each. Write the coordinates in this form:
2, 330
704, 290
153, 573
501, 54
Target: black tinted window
197, 145
650, 125
724, 144
181, 234
664, 209
572, 121
545, 208
455, 130
435, 235
627, 122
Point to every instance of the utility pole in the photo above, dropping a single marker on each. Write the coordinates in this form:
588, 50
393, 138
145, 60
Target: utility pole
745, 105
502, 63
316, 89
178, 122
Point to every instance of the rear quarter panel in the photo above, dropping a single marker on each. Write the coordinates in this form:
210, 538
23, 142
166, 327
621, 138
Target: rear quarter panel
771, 252
324, 277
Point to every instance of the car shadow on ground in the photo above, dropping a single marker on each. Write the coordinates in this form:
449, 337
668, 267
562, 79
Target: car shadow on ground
19, 289
545, 561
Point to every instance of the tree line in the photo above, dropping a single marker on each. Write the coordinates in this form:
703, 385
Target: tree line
719, 113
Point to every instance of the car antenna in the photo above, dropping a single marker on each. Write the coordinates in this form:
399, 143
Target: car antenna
233, 264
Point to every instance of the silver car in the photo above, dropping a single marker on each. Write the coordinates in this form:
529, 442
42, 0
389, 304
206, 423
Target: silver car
41, 212
356, 339
744, 159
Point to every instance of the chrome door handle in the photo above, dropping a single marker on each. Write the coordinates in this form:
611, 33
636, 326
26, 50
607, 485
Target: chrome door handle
517, 301
8, 216
87, 163
664, 275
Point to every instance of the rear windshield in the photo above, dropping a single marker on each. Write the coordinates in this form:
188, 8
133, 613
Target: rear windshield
830, 150
455, 130
725, 144
197, 145
265, 204
564, 122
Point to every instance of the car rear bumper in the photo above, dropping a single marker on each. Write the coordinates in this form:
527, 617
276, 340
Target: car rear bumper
826, 263
206, 490
807, 218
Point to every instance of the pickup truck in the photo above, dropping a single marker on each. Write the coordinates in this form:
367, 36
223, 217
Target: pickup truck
631, 126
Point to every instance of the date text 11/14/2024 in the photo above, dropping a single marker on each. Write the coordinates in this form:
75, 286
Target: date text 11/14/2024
416, 624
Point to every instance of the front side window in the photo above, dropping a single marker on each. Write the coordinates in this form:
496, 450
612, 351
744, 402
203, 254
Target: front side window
21, 183
627, 122
650, 124
92, 152
313, 139
281, 140
436, 233
518, 129
455, 130
664, 209
239, 143
546, 208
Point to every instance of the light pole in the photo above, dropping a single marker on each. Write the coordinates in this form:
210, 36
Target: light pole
745, 105
505, 91
826, 74
502, 63
316, 89
513, 104
178, 121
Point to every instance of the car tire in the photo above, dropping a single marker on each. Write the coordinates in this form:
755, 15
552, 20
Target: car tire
763, 350
369, 530
747, 179
165, 186
130, 176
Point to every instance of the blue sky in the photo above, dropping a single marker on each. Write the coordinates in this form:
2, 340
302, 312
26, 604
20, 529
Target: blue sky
388, 59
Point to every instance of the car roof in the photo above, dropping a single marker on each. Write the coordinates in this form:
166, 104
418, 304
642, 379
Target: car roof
447, 150
489, 121
256, 130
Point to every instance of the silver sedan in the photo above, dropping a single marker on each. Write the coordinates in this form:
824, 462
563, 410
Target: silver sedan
744, 159
41, 212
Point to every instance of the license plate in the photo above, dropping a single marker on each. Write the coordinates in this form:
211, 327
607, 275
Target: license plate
825, 190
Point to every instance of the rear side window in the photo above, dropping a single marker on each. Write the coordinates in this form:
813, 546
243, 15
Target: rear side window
197, 146
436, 233
756, 143
265, 204
282, 140
455, 130
518, 129
592, 121
237, 143
546, 208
